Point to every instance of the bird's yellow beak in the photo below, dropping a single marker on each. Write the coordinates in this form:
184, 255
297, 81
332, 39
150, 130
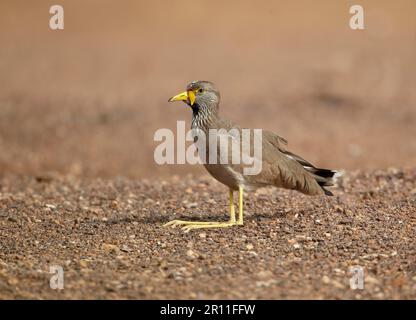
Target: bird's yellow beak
184, 96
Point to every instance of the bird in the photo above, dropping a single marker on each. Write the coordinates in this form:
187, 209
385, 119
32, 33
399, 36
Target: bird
279, 167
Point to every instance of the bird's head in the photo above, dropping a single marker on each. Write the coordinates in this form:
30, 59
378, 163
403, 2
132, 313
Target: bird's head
199, 94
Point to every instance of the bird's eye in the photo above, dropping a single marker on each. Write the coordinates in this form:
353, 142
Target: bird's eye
200, 90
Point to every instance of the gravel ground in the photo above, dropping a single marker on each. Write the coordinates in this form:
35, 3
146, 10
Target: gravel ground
108, 237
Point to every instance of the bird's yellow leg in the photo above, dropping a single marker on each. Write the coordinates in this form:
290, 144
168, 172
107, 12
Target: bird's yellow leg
240, 206
189, 225
232, 211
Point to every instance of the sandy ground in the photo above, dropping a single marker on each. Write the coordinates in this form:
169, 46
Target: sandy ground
79, 186
109, 239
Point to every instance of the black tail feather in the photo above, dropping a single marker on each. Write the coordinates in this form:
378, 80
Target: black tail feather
324, 173
324, 177
327, 192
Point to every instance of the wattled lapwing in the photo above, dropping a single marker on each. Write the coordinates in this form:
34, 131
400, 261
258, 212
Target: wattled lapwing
279, 167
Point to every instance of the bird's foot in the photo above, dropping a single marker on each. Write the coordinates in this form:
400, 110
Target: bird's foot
175, 223
190, 225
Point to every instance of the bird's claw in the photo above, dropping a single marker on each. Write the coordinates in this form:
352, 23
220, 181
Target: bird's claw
172, 223
190, 225
175, 223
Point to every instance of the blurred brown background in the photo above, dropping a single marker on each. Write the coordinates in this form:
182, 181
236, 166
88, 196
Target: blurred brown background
87, 100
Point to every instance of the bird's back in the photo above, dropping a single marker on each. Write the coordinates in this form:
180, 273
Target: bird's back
279, 167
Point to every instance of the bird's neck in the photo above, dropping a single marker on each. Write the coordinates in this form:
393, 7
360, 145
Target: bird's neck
203, 117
